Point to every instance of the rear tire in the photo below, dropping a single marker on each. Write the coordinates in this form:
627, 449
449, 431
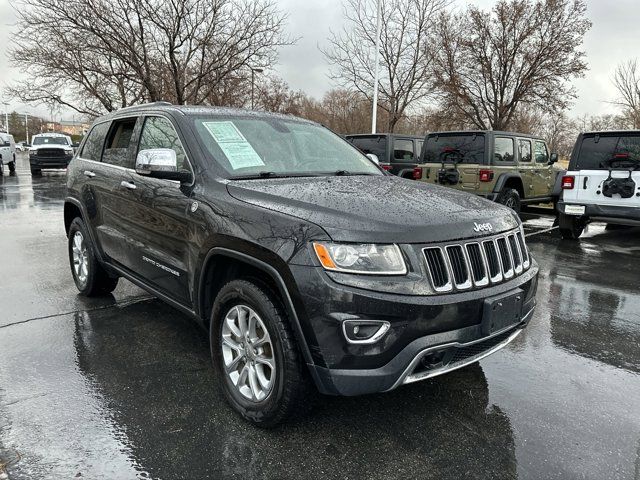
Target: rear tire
570, 226
90, 277
266, 396
12, 166
510, 198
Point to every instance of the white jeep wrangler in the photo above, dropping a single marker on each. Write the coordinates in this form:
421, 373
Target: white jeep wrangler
602, 182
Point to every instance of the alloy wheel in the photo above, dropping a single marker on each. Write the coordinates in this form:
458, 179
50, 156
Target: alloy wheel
80, 258
248, 353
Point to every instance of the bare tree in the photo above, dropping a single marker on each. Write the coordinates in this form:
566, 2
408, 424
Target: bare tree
405, 52
626, 79
275, 95
521, 54
99, 55
343, 111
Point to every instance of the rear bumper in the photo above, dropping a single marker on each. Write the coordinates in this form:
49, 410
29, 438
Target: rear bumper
605, 212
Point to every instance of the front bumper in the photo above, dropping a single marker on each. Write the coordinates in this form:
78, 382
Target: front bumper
419, 324
605, 212
42, 161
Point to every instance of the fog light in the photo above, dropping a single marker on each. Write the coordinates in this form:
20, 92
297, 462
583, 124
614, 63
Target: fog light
433, 359
364, 331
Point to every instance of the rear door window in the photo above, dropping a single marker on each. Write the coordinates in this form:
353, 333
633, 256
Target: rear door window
599, 152
375, 144
465, 148
116, 149
524, 150
541, 152
503, 150
92, 149
403, 150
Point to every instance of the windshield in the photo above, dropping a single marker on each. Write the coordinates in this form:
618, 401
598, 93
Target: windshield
463, 148
246, 147
50, 141
604, 151
375, 144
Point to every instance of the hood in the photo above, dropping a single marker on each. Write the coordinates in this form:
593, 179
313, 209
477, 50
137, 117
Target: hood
384, 209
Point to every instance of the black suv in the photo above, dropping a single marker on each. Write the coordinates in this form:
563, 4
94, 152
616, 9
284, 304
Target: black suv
398, 154
305, 261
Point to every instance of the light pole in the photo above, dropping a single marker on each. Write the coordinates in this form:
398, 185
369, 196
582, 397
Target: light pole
374, 114
253, 81
6, 116
26, 128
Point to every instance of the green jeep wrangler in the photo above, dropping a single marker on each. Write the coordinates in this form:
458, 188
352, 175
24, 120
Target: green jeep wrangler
509, 168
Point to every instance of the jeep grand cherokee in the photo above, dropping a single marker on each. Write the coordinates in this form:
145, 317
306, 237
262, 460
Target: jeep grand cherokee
304, 260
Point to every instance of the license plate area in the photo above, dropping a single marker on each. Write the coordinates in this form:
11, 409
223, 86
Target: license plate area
574, 209
502, 311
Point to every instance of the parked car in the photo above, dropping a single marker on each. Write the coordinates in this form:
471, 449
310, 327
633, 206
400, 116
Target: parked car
510, 168
7, 153
50, 150
398, 154
22, 147
602, 183
303, 260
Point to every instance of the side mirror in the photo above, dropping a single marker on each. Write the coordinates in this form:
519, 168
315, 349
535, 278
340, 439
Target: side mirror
6, 144
553, 158
160, 163
374, 158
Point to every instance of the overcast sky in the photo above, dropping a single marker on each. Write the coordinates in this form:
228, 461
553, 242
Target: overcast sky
614, 37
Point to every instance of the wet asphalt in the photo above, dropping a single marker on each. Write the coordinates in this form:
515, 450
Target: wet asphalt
121, 387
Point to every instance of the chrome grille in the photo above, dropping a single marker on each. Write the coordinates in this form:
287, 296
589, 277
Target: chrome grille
466, 265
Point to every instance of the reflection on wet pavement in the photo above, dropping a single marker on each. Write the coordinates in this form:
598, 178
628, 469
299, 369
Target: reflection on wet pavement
122, 387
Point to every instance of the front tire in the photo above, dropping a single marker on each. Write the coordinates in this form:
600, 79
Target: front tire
510, 198
90, 277
254, 354
570, 226
12, 166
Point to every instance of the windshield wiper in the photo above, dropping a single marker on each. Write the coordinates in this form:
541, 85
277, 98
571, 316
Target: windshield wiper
270, 174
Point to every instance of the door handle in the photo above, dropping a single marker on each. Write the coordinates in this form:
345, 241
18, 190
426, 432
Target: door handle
584, 183
89, 173
129, 185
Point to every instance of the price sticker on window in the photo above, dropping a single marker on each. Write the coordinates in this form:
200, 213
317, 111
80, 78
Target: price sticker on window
236, 148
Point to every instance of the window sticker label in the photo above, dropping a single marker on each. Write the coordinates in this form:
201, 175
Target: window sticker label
237, 149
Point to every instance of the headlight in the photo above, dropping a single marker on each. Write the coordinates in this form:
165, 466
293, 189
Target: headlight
33, 151
365, 258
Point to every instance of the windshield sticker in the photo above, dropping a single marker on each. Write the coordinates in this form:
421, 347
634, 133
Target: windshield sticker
237, 149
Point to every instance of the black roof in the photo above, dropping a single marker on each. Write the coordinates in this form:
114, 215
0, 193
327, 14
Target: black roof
350, 135
189, 110
490, 132
612, 132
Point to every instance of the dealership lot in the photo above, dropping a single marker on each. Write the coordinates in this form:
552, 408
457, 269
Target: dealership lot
121, 386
